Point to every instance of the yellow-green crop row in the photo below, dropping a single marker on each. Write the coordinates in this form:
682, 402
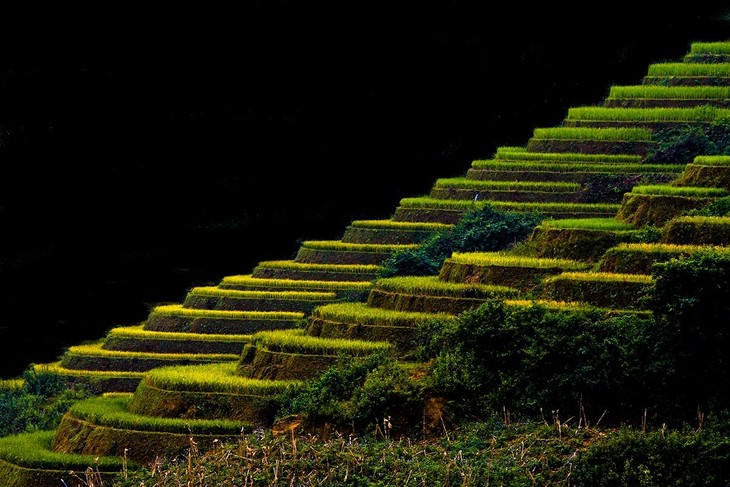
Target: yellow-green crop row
710, 48
139, 332
354, 247
605, 224
504, 259
702, 219
179, 310
248, 280
618, 134
396, 225
510, 149
575, 167
295, 341
666, 248
33, 450
602, 276
551, 186
670, 92
434, 286
428, 202
668, 190
214, 291
371, 316
95, 350
524, 155
56, 368
712, 160
689, 69
288, 264
112, 412
220, 377
704, 113
11, 384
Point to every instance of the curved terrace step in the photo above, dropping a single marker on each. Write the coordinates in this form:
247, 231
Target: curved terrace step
589, 140
292, 270
176, 318
342, 289
504, 269
638, 258
658, 96
601, 289
466, 188
342, 253
688, 74
658, 204
391, 232
216, 298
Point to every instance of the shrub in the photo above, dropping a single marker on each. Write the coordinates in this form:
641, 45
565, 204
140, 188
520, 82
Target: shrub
484, 229
38, 403
356, 392
683, 143
531, 359
691, 303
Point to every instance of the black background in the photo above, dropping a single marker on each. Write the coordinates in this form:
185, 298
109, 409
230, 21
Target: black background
148, 151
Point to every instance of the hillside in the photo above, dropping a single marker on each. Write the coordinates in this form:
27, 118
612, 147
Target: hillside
565, 234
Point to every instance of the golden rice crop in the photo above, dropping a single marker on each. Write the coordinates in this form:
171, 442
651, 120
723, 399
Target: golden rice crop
95, 350
295, 341
214, 291
602, 276
248, 280
550, 186
288, 264
368, 315
607, 224
354, 247
139, 332
668, 190
432, 285
504, 259
576, 167
396, 225
179, 310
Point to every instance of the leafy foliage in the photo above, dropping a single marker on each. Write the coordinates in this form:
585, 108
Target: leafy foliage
37, 404
691, 302
532, 359
356, 392
484, 229
681, 144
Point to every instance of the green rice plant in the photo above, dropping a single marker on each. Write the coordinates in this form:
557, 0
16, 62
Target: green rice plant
688, 191
508, 150
576, 167
669, 92
112, 412
710, 48
622, 134
504, 259
305, 284
556, 207
716, 160
371, 316
288, 264
703, 113
689, 69
57, 368
602, 277
702, 219
428, 202
95, 350
396, 225
608, 224
354, 247
567, 157
214, 291
179, 310
219, 378
434, 286
139, 332
667, 248
295, 341
506, 185
33, 450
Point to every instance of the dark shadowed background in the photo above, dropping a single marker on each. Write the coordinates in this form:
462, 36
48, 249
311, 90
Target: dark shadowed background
145, 152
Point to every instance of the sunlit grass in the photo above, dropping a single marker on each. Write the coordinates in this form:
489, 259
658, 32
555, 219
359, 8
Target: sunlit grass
396, 225
504, 259
524, 155
95, 350
704, 113
710, 48
712, 160
604, 224
214, 291
506, 185
255, 282
295, 341
179, 310
288, 264
433, 286
689, 69
354, 247
601, 277
669, 92
618, 134
363, 314
140, 333
220, 377
690, 191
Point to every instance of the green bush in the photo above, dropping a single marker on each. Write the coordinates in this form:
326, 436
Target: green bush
691, 303
719, 207
657, 458
38, 403
532, 359
356, 392
485, 229
683, 143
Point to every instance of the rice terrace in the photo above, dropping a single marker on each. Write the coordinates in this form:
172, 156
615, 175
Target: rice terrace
555, 314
